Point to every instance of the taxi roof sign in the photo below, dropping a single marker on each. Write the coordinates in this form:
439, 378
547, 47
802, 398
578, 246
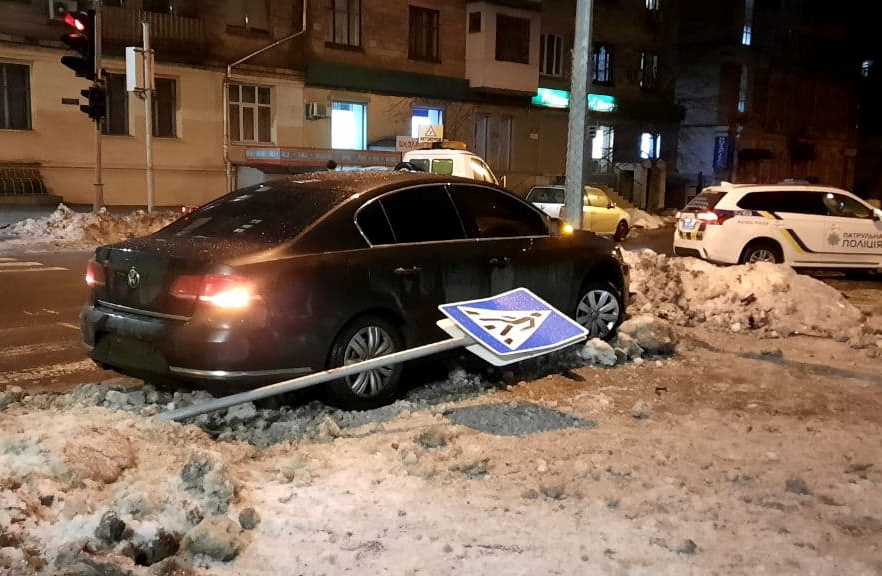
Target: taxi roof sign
511, 326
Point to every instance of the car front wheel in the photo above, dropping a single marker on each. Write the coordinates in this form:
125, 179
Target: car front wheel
599, 309
365, 338
621, 231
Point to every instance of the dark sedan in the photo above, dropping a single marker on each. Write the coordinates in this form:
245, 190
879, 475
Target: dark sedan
299, 275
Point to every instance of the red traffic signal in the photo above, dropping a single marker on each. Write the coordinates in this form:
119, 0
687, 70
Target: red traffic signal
82, 42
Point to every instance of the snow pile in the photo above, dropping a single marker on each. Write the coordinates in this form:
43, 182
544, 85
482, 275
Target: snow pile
66, 225
642, 219
771, 298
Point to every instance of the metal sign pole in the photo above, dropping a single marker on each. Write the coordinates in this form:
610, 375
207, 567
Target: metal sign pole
317, 378
98, 200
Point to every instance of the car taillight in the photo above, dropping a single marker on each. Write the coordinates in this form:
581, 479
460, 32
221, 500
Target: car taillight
94, 274
218, 290
713, 216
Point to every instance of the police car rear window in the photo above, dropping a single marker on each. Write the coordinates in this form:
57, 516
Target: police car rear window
705, 201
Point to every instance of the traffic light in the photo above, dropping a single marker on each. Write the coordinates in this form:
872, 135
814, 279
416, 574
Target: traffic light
97, 106
82, 41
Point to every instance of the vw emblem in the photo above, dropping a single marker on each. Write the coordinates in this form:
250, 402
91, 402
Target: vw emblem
134, 278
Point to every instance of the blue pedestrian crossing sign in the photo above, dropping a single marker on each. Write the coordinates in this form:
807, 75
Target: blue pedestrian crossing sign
511, 326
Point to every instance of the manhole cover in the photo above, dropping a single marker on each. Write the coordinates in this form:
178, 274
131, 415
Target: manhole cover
515, 419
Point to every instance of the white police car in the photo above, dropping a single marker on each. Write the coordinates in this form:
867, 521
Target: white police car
802, 225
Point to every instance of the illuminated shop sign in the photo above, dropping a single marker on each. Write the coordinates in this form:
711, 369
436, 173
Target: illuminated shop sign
551, 98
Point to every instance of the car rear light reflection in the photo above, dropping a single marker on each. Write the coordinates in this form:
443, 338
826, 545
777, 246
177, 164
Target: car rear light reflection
94, 274
217, 290
713, 216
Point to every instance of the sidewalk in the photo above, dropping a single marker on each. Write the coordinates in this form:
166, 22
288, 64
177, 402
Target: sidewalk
12, 213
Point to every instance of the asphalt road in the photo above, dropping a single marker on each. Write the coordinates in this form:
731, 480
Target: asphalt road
41, 295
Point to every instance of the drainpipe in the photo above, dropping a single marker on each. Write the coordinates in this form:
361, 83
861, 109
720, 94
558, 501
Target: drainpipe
226, 94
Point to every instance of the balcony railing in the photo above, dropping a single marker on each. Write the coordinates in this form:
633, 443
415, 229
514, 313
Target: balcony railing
169, 34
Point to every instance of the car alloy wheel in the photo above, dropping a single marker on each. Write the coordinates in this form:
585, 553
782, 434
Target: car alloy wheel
369, 342
599, 311
762, 255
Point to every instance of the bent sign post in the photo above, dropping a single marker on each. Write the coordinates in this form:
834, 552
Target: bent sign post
503, 329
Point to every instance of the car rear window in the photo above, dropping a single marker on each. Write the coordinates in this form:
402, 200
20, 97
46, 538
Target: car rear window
705, 201
263, 214
546, 195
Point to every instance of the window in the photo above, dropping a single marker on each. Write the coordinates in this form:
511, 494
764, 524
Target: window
424, 34
551, 55
425, 117
117, 120
650, 146
474, 22
374, 225
743, 89
158, 6
601, 64
15, 97
512, 39
648, 70
250, 113
165, 108
481, 171
546, 195
505, 134
248, 14
346, 22
597, 198
845, 207
866, 66
489, 213
405, 209
602, 148
747, 32
348, 126
264, 213
652, 4
482, 122
785, 201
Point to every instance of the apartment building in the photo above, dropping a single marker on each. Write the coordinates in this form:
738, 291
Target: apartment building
353, 85
771, 92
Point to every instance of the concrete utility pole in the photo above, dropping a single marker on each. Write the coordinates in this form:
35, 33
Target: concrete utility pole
148, 111
578, 114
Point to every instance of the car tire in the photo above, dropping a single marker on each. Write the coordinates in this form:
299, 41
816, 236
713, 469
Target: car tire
622, 231
762, 251
600, 309
364, 338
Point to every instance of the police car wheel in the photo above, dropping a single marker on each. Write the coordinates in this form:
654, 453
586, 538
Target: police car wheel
761, 252
365, 338
599, 309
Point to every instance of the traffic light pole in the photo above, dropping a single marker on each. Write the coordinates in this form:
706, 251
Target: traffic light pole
98, 201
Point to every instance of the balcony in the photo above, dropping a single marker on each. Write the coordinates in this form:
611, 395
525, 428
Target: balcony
173, 37
502, 47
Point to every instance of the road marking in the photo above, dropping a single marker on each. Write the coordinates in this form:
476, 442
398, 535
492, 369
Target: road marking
15, 265
46, 269
50, 371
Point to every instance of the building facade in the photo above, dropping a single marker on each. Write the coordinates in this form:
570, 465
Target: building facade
245, 92
771, 92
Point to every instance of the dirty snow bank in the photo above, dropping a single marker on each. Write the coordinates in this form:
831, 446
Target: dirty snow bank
770, 298
89, 229
642, 219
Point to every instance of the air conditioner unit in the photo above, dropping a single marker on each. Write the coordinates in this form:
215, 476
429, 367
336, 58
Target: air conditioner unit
316, 111
57, 8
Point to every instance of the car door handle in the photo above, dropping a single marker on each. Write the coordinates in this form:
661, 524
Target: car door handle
501, 262
400, 271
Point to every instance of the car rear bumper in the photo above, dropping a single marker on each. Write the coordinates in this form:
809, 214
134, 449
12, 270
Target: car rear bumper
141, 346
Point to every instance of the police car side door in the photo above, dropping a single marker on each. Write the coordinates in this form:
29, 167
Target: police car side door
852, 234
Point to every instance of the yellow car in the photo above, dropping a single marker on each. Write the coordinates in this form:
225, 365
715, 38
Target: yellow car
599, 214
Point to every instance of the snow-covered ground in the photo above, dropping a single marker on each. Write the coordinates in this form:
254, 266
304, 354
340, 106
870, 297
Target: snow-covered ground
731, 427
642, 219
68, 229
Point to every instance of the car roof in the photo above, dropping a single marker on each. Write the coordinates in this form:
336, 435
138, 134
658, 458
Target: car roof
791, 187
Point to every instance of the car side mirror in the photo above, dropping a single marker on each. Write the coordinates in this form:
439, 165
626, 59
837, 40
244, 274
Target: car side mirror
877, 214
611, 205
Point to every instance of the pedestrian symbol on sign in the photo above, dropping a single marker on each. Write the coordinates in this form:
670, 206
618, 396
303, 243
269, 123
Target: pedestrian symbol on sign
511, 327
